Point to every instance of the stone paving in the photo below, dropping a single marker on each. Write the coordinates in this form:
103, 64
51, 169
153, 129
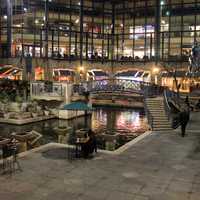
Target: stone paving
162, 166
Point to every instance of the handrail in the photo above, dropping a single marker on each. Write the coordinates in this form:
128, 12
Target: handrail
166, 105
174, 118
148, 114
39, 88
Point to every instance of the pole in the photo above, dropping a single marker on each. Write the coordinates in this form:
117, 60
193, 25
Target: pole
113, 38
81, 31
9, 27
157, 30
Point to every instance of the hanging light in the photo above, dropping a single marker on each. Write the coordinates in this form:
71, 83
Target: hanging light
77, 21
162, 3
36, 21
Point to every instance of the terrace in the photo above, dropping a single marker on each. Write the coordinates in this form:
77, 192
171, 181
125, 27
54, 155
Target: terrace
161, 166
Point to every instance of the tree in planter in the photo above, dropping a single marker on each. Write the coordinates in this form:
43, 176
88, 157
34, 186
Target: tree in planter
194, 67
172, 69
194, 59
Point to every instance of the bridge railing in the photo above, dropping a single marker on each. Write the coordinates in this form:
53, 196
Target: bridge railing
112, 85
120, 85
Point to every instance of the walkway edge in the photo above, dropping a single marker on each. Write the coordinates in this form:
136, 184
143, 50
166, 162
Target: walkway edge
116, 152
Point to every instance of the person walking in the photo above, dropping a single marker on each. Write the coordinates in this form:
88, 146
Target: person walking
184, 119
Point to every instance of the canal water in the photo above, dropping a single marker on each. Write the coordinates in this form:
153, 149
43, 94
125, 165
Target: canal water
113, 126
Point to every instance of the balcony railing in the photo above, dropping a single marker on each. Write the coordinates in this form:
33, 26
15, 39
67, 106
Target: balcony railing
47, 89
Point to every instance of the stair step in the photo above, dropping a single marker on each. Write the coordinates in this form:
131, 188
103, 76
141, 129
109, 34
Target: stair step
162, 125
153, 103
161, 121
157, 127
158, 111
162, 129
156, 107
159, 114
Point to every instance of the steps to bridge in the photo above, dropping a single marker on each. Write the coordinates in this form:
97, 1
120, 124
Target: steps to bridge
156, 108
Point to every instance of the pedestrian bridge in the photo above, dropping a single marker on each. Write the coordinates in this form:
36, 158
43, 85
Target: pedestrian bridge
120, 86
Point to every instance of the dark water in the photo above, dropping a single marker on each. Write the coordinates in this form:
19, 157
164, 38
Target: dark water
110, 124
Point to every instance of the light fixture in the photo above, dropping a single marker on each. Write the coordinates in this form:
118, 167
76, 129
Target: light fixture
163, 21
162, 3
5, 17
155, 70
81, 69
167, 13
17, 25
25, 9
77, 21
36, 21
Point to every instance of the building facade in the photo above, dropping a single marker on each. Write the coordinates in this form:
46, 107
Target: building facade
128, 31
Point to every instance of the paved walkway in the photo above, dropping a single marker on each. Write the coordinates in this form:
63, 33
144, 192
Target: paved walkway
163, 166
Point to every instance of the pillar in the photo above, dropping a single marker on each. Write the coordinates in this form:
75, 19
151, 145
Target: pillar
9, 27
157, 31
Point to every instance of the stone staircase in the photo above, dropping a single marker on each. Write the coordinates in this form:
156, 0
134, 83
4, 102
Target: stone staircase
157, 110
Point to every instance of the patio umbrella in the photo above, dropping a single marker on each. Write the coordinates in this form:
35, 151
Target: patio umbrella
78, 106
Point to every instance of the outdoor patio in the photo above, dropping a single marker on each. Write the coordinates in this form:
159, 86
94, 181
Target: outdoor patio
162, 166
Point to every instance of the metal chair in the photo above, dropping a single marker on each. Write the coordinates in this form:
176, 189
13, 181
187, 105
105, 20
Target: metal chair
10, 161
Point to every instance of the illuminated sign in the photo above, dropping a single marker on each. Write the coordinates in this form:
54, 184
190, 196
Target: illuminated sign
139, 31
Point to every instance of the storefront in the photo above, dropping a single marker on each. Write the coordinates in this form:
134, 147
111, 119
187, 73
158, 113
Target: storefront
39, 73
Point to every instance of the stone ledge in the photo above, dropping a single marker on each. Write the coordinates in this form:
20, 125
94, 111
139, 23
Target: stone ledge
26, 121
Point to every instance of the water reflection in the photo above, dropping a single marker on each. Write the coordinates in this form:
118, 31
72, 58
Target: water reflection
122, 124
119, 120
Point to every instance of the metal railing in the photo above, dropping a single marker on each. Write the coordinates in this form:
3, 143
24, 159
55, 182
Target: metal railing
173, 117
54, 89
112, 85
148, 114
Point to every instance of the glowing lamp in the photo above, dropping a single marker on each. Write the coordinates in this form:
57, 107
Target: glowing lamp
156, 70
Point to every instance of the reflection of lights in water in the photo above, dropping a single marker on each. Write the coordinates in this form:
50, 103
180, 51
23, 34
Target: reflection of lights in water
99, 119
127, 122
